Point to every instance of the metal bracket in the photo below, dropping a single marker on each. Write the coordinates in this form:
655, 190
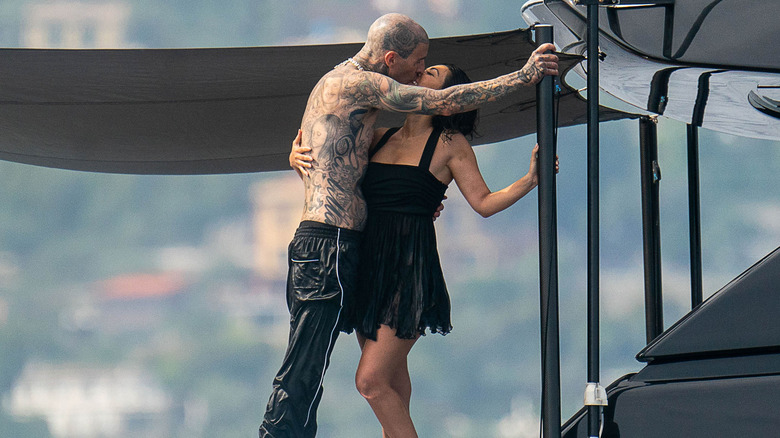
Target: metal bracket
656, 172
595, 395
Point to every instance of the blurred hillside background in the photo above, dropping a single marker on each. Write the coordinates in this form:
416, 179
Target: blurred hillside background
153, 306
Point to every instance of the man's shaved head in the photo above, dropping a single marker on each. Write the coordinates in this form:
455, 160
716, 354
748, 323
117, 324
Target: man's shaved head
397, 33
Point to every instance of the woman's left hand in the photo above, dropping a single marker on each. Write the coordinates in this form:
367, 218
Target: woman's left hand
300, 156
533, 168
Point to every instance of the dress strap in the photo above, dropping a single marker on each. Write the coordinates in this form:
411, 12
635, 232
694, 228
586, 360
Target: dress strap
383, 140
430, 147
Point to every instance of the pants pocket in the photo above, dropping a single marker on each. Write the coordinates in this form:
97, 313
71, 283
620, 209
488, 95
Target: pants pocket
310, 277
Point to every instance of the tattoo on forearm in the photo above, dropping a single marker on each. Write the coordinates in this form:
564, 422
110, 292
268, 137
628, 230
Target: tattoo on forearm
382, 92
531, 74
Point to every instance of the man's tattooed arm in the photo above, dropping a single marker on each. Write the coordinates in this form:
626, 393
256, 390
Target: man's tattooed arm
385, 93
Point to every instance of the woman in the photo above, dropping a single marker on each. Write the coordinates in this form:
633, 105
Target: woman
402, 291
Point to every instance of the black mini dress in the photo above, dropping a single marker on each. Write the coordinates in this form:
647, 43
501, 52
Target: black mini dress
400, 281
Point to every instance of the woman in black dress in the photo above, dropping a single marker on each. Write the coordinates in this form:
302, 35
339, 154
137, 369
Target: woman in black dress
402, 291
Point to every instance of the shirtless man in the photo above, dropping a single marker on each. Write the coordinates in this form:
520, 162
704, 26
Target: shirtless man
338, 126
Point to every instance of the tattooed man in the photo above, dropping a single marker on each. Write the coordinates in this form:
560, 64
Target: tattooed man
338, 125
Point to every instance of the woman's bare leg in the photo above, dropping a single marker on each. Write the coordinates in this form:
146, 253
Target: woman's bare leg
402, 383
361, 342
383, 379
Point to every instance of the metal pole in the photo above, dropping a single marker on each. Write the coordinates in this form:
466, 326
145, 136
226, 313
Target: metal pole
594, 402
694, 197
651, 226
694, 215
548, 249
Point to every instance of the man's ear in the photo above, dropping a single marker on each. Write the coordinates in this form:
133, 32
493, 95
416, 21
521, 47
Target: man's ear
391, 57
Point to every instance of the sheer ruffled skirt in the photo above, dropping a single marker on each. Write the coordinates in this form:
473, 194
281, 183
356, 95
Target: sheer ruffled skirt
400, 278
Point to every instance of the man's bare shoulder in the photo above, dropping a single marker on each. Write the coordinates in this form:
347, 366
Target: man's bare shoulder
341, 91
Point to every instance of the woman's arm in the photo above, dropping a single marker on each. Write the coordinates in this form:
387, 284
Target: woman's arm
465, 171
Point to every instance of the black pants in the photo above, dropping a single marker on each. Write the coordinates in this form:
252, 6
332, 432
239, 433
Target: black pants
321, 278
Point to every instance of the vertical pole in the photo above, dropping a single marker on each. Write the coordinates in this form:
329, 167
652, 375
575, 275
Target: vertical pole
548, 250
694, 197
594, 408
694, 215
651, 226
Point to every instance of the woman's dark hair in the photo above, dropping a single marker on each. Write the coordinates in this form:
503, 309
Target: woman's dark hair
465, 123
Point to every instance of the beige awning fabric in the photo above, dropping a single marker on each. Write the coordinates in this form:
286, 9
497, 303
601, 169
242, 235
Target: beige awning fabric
207, 111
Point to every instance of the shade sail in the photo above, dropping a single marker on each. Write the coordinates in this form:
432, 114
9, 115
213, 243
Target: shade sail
200, 111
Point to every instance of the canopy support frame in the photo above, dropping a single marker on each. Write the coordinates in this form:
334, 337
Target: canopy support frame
651, 225
548, 249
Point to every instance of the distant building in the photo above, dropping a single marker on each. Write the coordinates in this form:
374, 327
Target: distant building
139, 301
76, 25
278, 206
132, 302
90, 402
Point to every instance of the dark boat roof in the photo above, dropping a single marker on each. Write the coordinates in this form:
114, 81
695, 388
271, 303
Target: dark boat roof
713, 90
226, 110
738, 34
740, 318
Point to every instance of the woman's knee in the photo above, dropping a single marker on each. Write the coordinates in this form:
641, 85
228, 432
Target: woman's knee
371, 384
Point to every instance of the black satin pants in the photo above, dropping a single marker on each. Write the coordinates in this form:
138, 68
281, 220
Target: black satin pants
322, 274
